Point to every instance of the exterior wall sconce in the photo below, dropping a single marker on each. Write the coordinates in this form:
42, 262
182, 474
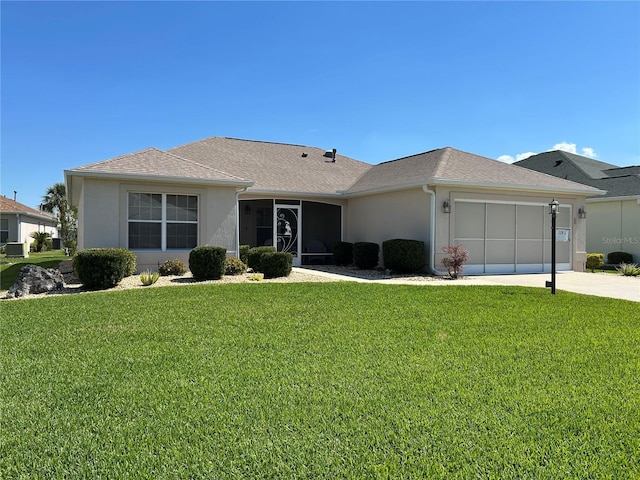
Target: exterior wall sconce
582, 212
247, 209
446, 206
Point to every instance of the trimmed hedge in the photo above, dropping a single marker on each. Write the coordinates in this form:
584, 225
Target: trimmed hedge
595, 260
234, 266
101, 268
616, 258
172, 267
254, 257
276, 264
403, 255
365, 255
207, 262
343, 253
244, 253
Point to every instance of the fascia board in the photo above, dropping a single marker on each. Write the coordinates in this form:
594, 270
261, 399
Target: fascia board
30, 215
159, 179
613, 199
386, 189
587, 191
289, 193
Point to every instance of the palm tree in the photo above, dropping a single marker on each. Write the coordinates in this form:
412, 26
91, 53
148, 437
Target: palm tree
55, 203
41, 240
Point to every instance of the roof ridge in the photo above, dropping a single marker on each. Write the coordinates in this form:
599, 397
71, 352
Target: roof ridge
117, 158
188, 160
407, 156
241, 140
444, 159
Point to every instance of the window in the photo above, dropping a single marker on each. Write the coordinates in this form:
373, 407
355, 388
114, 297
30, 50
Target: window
4, 230
162, 222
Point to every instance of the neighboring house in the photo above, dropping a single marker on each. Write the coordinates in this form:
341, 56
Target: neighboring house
229, 192
613, 220
18, 222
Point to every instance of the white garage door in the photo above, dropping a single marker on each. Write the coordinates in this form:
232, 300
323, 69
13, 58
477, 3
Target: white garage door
511, 237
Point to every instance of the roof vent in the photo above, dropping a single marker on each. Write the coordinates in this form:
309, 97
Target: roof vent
331, 154
304, 154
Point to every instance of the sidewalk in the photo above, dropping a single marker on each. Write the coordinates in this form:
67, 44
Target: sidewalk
598, 284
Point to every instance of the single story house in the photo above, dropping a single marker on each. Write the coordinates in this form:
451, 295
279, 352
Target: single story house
230, 192
613, 219
18, 222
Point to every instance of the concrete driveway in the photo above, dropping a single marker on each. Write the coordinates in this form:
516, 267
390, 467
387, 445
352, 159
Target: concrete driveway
598, 284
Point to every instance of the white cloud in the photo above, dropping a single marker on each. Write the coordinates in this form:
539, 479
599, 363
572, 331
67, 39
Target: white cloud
522, 156
564, 146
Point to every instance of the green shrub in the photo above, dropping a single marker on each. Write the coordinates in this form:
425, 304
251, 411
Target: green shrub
131, 261
254, 257
343, 253
365, 254
71, 247
276, 264
234, 266
403, 255
207, 262
616, 258
628, 269
42, 241
148, 278
244, 253
100, 268
172, 267
595, 260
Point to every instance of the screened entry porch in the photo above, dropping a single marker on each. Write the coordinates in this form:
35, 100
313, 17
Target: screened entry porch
308, 230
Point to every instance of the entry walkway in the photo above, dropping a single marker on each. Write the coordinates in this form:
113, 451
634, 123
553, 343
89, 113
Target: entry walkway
598, 284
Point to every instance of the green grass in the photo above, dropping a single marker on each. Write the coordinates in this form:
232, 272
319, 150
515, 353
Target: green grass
9, 267
323, 380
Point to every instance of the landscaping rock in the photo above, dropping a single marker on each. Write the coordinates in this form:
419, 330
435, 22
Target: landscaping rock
36, 279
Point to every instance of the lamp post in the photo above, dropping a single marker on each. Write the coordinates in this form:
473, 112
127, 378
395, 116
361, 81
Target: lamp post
553, 210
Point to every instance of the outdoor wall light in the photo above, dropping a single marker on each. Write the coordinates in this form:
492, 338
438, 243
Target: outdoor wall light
247, 209
582, 212
446, 206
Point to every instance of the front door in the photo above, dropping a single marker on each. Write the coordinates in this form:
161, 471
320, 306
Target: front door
287, 229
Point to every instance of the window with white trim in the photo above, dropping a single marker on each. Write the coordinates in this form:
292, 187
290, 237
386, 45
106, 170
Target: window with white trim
4, 230
160, 221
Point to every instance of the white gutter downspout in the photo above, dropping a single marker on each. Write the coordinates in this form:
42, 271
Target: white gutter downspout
432, 231
238, 192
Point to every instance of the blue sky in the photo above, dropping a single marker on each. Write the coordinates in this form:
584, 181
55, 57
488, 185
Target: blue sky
87, 81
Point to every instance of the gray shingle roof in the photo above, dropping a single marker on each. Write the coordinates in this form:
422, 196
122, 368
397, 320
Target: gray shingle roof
451, 166
617, 181
273, 168
276, 167
152, 162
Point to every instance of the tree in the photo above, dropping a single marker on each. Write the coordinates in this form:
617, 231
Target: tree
455, 259
42, 241
55, 203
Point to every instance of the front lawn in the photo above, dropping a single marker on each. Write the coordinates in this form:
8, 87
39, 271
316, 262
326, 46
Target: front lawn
10, 267
321, 380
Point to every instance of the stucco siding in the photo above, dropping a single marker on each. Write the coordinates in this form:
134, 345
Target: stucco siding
376, 218
100, 215
614, 226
